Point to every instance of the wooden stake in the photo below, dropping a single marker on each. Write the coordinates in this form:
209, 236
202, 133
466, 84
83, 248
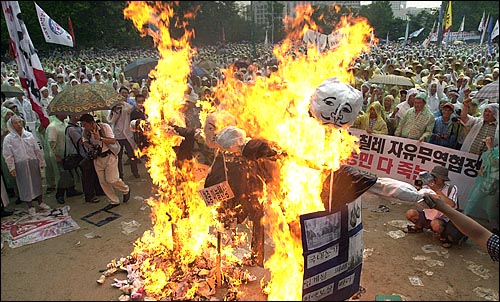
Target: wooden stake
219, 264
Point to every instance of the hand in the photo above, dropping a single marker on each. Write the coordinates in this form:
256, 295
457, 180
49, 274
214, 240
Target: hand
433, 186
95, 135
467, 101
439, 200
369, 131
488, 142
421, 139
13, 173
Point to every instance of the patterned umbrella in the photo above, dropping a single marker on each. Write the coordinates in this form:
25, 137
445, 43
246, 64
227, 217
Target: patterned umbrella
84, 98
489, 91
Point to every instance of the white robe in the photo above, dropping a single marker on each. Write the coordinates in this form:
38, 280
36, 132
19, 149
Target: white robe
22, 153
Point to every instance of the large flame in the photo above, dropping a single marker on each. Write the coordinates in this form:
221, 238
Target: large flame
275, 108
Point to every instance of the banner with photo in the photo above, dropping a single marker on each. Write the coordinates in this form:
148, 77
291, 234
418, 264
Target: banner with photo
403, 159
332, 244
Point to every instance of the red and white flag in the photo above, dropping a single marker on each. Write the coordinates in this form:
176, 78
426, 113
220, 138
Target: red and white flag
30, 69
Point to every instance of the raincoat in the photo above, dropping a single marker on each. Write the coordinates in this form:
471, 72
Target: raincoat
363, 121
22, 153
10, 181
484, 194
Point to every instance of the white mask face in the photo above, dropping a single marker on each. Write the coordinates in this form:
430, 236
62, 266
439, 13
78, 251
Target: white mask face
214, 123
335, 103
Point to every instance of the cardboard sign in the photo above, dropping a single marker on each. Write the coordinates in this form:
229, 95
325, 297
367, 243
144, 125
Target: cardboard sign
333, 253
216, 193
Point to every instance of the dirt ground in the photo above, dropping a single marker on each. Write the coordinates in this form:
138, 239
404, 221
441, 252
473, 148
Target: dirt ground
67, 267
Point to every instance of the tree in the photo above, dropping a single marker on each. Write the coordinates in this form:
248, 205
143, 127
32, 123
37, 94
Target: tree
381, 18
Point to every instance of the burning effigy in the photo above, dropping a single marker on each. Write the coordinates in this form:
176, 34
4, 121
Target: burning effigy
294, 123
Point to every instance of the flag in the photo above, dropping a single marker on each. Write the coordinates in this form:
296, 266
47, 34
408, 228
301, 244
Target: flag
494, 33
406, 33
266, 42
30, 69
415, 33
447, 19
484, 31
490, 25
461, 29
480, 27
52, 32
71, 31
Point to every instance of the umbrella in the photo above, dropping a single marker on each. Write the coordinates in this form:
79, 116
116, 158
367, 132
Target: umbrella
489, 91
83, 98
199, 71
140, 68
11, 91
391, 79
207, 64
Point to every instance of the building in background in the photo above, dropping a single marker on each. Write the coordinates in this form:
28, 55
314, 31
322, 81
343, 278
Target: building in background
262, 10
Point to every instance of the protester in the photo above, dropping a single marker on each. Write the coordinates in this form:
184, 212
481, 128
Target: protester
432, 218
56, 137
100, 140
440, 133
373, 120
484, 195
119, 119
138, 115
480, 128
24, 160
90, 182
417, 123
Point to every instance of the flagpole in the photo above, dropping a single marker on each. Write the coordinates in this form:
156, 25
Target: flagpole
407, 29
484, 30
440, 23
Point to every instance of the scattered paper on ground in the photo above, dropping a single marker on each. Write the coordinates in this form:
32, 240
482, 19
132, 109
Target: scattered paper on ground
396, 234
438, 250
478, 270
486, 293
400, 223
415, 281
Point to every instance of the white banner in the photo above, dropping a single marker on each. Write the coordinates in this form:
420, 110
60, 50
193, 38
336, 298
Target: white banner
403, 159
52, 32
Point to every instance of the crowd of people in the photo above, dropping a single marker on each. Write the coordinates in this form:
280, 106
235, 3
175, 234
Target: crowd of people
439, 107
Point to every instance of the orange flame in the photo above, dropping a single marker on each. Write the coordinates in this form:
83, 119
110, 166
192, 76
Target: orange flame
275, 108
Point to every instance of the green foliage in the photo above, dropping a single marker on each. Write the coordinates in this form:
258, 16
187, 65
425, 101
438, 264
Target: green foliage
102, 24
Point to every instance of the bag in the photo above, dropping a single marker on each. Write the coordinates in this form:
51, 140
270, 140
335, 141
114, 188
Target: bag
72, 161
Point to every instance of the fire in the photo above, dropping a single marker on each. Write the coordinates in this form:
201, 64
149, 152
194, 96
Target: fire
275, 108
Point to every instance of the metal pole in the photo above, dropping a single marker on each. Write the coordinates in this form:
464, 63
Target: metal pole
272, 23
253, 30
440, 27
